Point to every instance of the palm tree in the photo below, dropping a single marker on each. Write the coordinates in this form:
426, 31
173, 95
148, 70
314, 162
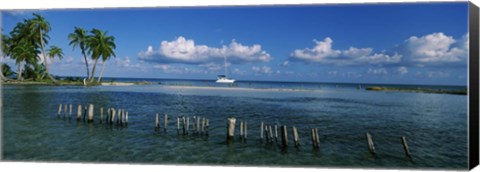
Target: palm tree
24, 52
54, 51
5, 49
100, 45
38, 23
79, 38
6, 70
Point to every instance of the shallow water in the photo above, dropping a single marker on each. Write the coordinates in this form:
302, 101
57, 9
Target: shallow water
435, 126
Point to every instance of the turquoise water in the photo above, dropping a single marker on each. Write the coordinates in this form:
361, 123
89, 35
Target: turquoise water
435, 125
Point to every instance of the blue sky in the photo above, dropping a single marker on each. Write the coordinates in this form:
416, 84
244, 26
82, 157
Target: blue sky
422, 43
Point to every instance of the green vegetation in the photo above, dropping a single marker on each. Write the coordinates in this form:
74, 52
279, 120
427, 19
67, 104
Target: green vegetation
26, 45
419, 90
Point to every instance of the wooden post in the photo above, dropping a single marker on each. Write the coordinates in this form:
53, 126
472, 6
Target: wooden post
156, 121
245, 130
241, 130
79, 113
188, 123
123, 117
371, 146
284, 136
165, 122
183, 125
107, 117
314, 140
101, 115
295, 136
276, 134
261, 132
317, 139
90, 113
59, 109
178, 125
206, 127
203, 125
194, 124
70, 112
405, 147
230, 129
112, 120
126, 119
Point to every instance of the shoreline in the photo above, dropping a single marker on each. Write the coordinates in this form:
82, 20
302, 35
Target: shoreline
72, 83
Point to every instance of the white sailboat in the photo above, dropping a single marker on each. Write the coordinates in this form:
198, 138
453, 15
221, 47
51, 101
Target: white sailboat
223, 78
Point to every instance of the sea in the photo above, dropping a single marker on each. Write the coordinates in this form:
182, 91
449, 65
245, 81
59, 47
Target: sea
434, 125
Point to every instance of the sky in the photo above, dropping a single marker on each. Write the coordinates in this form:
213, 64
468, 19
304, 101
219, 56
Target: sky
419, 43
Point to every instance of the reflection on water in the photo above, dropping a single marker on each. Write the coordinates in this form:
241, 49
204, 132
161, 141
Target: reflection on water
434, 125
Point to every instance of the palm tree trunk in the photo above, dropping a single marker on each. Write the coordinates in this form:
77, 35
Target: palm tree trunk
45, 58
92, 77
101, 72
19, 73
86, 62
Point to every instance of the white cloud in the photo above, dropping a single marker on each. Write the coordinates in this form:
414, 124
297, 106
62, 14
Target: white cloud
323, 53
437, 74
379, 71
125, 63
402, 70
436, 48
182, 50
263, 69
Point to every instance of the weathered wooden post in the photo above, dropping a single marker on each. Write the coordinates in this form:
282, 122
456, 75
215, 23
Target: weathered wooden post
156, 122
90, 113
371, 146
206, 127
230, 129
188, 123
261, 132
245, 130
112, 119
194, 120
295, 136
178, 125
203, 125
101, 115
405, 147
126, 120
241, 130
183, 125
123, 117
79, 113
64, 110
284, 136
59, 109
165, 122
108, 116
70, 112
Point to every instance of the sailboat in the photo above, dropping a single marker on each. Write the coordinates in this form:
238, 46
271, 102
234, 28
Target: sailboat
223, 78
